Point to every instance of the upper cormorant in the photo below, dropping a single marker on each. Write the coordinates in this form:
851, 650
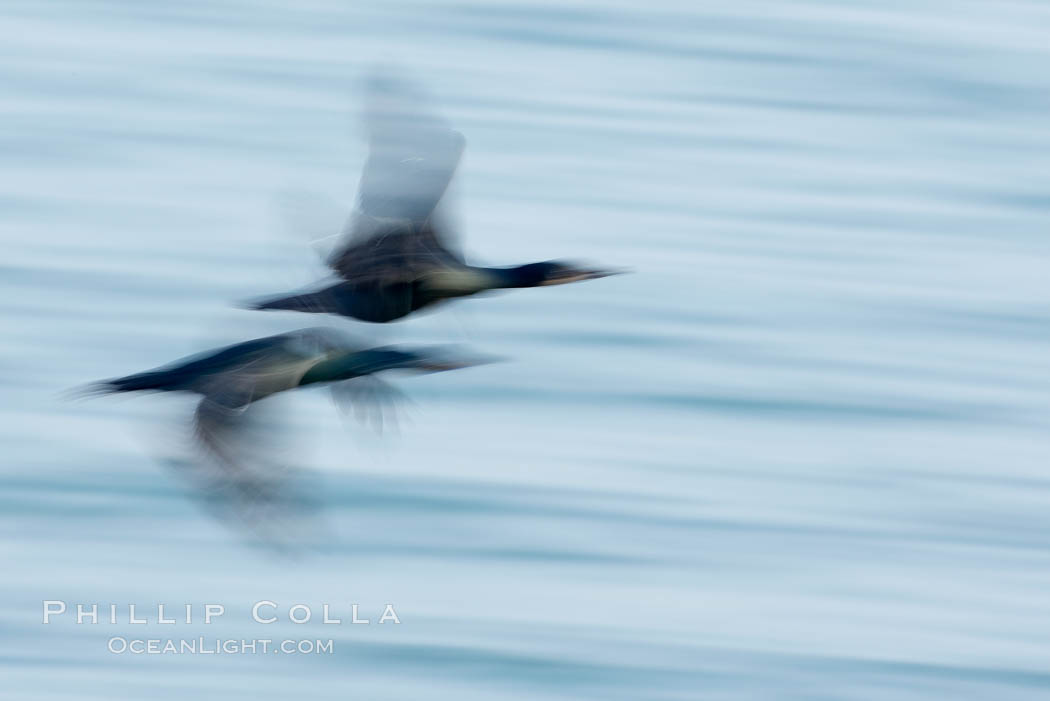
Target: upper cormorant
395, 257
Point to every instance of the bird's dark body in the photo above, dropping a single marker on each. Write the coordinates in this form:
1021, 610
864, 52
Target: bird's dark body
237, 375
367, 301
184, 374
384, 276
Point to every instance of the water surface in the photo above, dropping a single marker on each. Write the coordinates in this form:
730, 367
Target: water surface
800, 453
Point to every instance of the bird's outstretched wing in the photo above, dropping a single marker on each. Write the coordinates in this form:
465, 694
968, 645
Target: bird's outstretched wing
413, 155
242, 476
373, 401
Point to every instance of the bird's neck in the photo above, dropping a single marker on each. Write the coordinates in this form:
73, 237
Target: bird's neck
470, 279
337, 367
346, 366
508, 278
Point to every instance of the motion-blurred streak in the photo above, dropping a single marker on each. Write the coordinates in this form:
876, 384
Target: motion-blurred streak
241, 477
245, 474
396, 254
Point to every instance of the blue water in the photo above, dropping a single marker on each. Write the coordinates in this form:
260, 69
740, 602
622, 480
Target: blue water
800, 453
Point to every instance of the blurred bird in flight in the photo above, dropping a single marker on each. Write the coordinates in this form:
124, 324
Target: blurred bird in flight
396, 255
233, 379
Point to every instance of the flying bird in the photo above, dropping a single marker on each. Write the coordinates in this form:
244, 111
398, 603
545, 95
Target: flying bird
396, 255
229, 430
233, 378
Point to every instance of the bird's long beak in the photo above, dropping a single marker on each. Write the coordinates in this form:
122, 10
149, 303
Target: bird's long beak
595, 274
456, 363
577, 275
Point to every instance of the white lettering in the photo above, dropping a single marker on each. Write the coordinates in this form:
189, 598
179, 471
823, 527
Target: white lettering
213, 610
389, 615
132, 619
299, 607
50, 609
255, 611
81, 614
324, 612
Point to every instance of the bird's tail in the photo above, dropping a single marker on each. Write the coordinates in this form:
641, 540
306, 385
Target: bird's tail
153, 380
322, 301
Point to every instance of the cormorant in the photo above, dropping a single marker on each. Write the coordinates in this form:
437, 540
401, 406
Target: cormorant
231, 379
395, 257
253, 486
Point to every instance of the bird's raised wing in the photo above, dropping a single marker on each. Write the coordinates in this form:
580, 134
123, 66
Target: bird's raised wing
317, 340
412, 157
393, 252
413, 153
